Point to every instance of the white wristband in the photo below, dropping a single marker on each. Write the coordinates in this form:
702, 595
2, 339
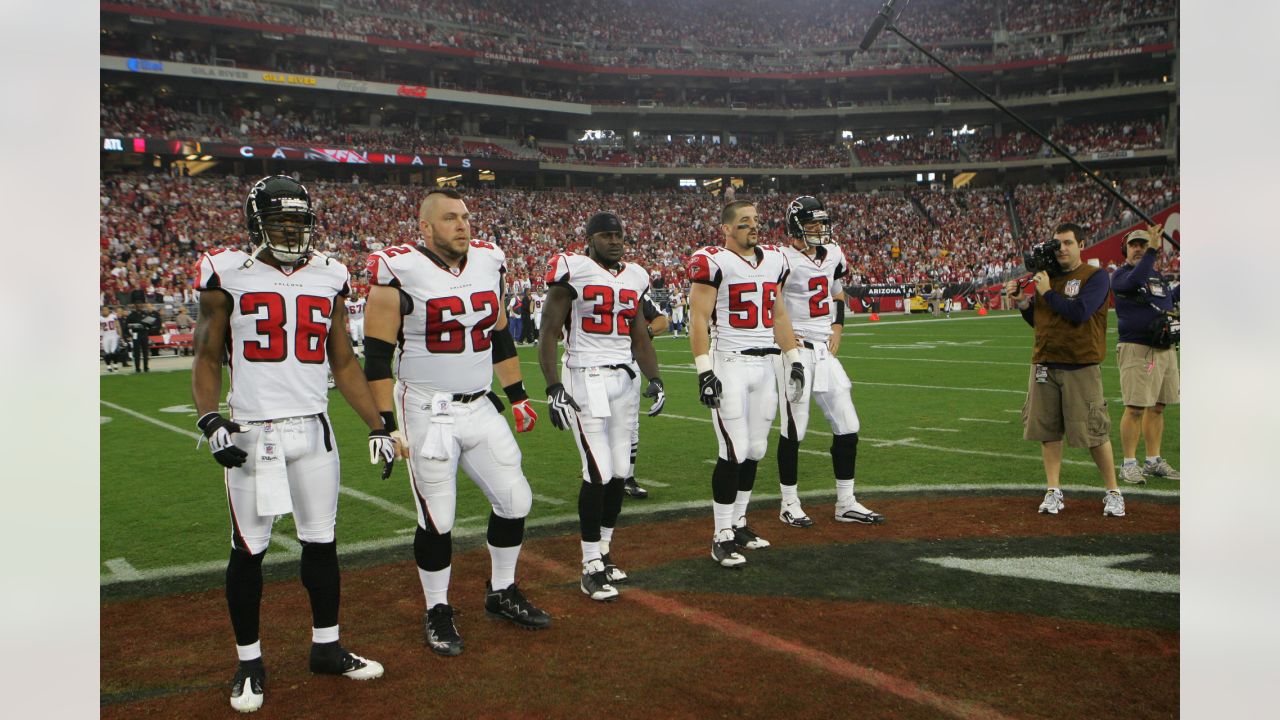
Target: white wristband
702, 363
792, 355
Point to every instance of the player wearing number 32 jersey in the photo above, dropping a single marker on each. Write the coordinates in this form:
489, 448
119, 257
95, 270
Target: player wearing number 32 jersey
596, 299
277, 316
437, 308
737, 325
814, 298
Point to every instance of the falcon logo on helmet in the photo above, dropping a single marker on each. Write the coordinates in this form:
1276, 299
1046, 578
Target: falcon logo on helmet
279, 218
806, 210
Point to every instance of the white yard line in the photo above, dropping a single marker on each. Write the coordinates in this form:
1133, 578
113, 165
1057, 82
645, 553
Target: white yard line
985, 420
287, 544
932, 429
121, 571
548, 499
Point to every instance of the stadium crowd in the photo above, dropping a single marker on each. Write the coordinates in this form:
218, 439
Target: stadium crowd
153, 227
807, 35
128, 118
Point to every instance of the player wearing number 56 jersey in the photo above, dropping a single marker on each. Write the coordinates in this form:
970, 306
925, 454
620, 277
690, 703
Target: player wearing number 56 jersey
438, 308
815, 301
736, 326
596, 298
277, 317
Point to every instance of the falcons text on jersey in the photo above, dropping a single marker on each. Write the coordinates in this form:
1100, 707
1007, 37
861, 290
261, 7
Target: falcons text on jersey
605, 303
809, 287
446, 342
745, 292
279, 324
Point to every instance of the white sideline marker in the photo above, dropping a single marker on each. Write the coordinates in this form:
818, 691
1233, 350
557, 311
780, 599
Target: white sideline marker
985, 420
913, 427
121, 570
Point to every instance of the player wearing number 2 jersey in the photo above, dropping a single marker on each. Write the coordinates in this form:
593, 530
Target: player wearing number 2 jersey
815, 301
438, 308
596, 299
277, 317
736, 326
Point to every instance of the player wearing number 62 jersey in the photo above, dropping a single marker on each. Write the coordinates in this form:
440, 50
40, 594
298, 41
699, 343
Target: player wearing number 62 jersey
438, 308
815, 301
596, 298
736, 326
277, 316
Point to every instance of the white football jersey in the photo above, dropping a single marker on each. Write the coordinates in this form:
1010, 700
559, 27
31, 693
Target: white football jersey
280, 321
745, 293
539, 299
605, 303
445, 341
809, 288
355, 309
108, 326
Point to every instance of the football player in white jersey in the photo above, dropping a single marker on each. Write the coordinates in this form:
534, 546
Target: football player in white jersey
539, 301
736, 326
109, 334
278, 319
815, 298
438, 308
596, 298
355, 321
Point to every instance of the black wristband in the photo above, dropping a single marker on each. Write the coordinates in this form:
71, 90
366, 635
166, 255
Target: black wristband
515, 392
389, 421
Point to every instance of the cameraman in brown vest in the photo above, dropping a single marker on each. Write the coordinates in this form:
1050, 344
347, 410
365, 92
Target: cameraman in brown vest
1064, 393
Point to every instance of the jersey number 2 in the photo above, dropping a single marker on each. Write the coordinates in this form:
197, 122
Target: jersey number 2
601, 321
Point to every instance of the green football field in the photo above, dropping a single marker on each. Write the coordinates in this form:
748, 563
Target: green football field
939, 402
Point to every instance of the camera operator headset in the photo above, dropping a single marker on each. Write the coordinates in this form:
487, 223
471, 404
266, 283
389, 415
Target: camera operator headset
1147, 311
1064, 393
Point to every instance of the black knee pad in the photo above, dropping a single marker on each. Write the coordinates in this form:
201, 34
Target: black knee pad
505, 532
844, 455
724, 482
431, 550
788, 460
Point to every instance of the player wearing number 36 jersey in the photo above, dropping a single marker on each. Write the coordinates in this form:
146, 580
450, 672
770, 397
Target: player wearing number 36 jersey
815, 301
438, 309
277, 316
596, 298
737, 324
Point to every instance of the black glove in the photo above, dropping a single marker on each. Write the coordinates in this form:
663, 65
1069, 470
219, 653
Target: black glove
795, 383
561, 403
218, 430
658, 393
709, 389
382, 448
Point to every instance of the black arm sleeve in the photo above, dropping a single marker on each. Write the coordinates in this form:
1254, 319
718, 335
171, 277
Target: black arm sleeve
839, 313
377, 359
503, 345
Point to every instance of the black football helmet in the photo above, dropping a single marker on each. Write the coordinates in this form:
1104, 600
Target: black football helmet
272, 199
804, 210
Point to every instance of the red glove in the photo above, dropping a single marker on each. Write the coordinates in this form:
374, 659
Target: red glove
524, 414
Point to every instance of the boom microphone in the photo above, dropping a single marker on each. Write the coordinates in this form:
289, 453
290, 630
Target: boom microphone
877, 25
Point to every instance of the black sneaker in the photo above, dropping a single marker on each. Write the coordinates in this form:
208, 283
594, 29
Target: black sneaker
595, 582
725, 551
631, 488
745, 537
611, 571
437, 627
511, 604
246, 687
332, 659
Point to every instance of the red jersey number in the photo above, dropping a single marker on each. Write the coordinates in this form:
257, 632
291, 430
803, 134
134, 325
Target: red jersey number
604, 316
818, 305
744, 312
311, 333
447, 335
